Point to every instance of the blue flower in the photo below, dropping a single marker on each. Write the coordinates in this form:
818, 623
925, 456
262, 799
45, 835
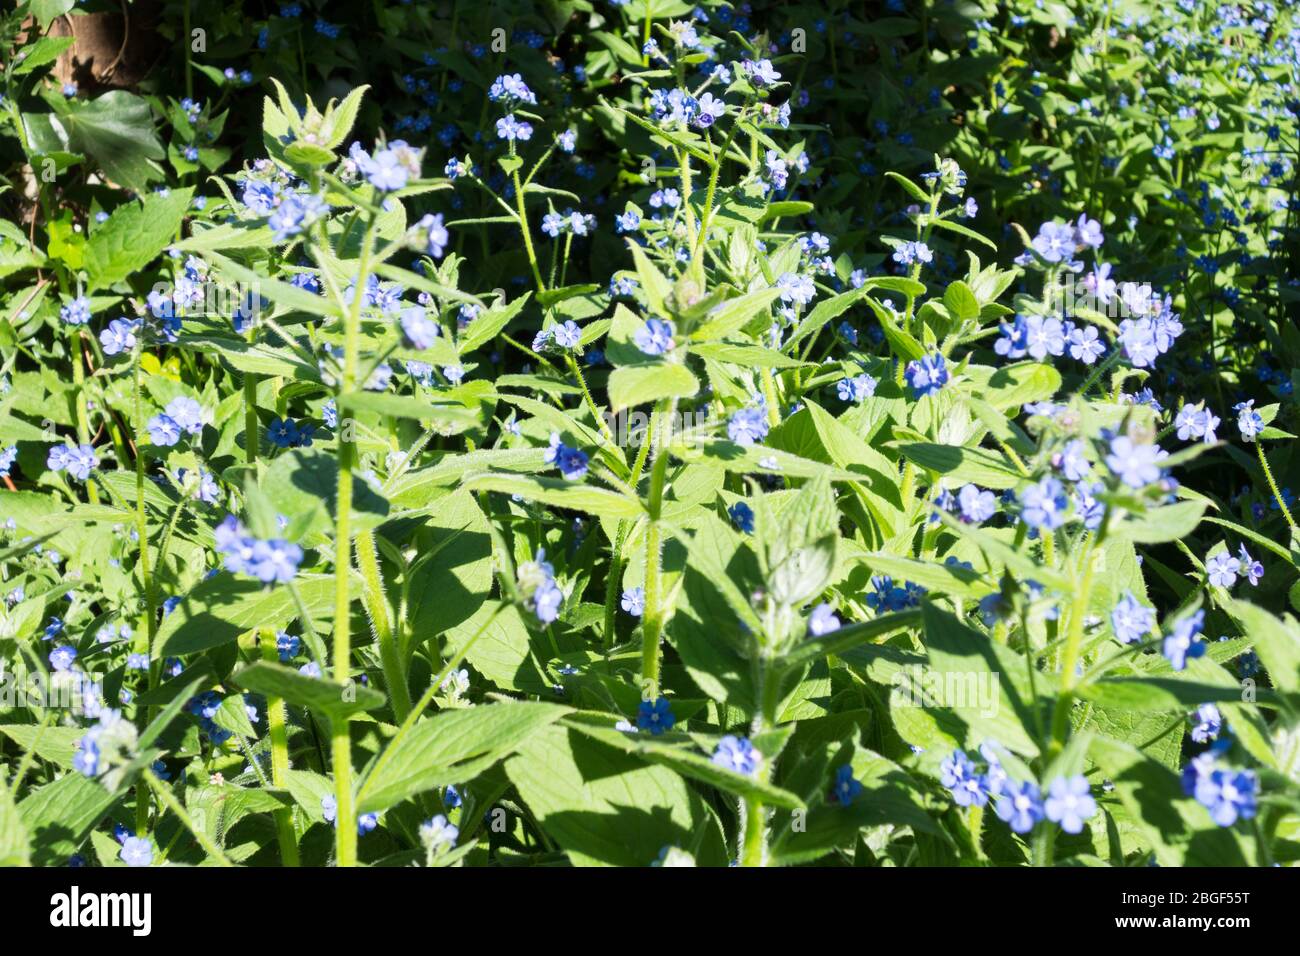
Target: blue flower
294, 214
1020, 805
163, 430
7, 457
61, 658
433, 235
77, 460
571, 462
1248, 420
136, 851
737, 754
438, 834
856, 389
926, 375
796, 288
655, 716
1045, 505
568, 335
633, 601
975, 504
418, 331
748, 425
509, 128
1069, 803
655, 337
1054, 242
1252, 569
823, 620
1136, 465
76, 312
1084, 344
1196, 421
1229, 795
760, 73
511, 87
1182, 644
287, 646
968, 787
909, 253
1221, 569
1208, 724
742, 516
845, 789
119, 336
1131, 620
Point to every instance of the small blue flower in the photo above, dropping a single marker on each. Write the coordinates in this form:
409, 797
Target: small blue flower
748, 425
1131, 620
1069, 803
1229, 795
846, 788
823, 620
571, 461
1183, 644
136, 851
633, 601
655, 716
1136, 465
655, 337
1045, 505
968, 787
975, 505
737, 754
1248, 420
1208, 724
1221, 569
1020, 805
742, 516
926, 375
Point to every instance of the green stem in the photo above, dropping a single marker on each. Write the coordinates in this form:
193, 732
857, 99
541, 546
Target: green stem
586, 395
340, 736
523, 227
1074, 641
279, 732
377, 607
652, 628
1272, 484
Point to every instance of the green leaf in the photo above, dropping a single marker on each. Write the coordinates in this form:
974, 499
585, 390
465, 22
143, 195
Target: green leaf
980, 682
315, 693
1168, 523
1178, 828
1277, 641
631, 385
961, 302
133, 236
452, 576
302, 484
13, 833
451, 747
958, 464
58, 816
216, 611
685, 759
43, 51
734, 314
560, 494
602, 806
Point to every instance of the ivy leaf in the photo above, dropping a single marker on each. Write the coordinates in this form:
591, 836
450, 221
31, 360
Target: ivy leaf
116, 130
